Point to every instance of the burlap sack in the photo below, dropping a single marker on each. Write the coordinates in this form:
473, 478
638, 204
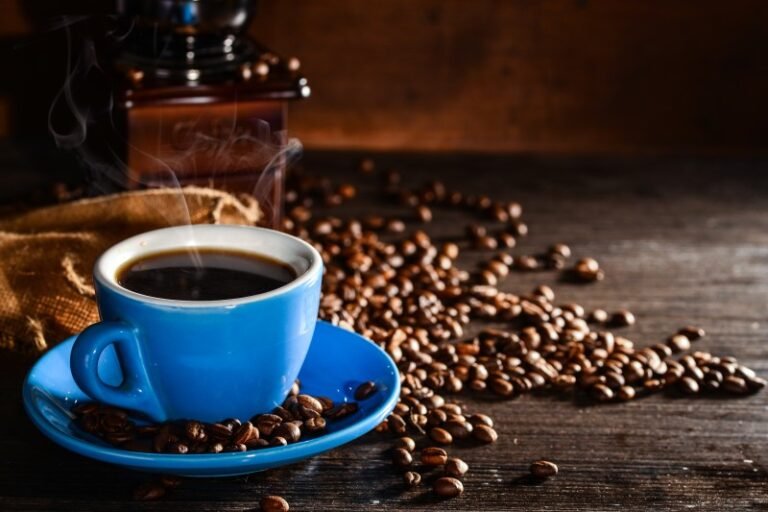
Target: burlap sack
46, 255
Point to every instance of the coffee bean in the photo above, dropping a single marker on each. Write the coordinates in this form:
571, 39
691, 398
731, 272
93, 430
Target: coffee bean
395, 226
401, 457
588, 270
245, 433
543, 469
347, 191
598, 316
623, 318
367, 166
440, 436
310, 402
149, 491
653, 385
195, 431
396, 424
433, 456
679, 343
601, 392
405, 443
412, 478
456, 467
170, 481
560, 250
365, 390
448, 487
424, 213
507, 240
288, 431
220, 431
278, 441
313, 425
266, 423
735, 385
688, 385
626, 393
502, 387
179, 448
459, 429
756, 384
692, 333
526, 263
274, 504
484, 433
481, 419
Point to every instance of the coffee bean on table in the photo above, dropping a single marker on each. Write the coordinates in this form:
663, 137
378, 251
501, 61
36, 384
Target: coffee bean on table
484, 433
688, 385
692, 333
401, 457
598, 316
456, 467
481, 419
560, 250
735, 385
626, 393
149, 491
602, 393
170, 481
459, 429
440, 436
424, 213
412, 478
588, 270
274, 504
448, 487
543, 469
623, 318
679, 343
365, 390
406, 443
433, 456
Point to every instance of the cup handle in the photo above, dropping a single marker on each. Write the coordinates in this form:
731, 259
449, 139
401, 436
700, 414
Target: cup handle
135, 391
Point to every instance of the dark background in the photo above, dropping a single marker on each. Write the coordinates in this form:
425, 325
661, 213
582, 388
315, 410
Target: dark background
561, 76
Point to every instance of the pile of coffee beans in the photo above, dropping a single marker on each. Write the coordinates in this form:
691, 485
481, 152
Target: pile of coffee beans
301, 415
407, 294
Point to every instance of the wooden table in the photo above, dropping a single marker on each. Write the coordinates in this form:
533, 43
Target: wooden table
682, 241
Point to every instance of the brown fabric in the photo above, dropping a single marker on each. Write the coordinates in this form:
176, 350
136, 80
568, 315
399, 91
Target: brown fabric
46, 255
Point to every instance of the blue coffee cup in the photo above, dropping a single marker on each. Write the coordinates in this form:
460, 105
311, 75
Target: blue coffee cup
204, 360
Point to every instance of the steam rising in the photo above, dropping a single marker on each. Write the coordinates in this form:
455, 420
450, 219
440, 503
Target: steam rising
86, 102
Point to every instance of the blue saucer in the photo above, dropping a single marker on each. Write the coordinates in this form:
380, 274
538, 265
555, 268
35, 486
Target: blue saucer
337, 362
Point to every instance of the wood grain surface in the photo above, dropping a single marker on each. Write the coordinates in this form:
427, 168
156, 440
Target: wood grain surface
682, 241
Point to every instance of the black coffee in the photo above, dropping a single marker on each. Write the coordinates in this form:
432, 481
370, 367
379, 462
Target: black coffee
204, 274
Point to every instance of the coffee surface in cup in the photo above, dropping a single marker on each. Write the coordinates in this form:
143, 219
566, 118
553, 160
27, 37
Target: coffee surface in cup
204, 274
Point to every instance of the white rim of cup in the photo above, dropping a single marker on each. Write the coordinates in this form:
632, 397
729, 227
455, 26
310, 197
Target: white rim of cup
109, 279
